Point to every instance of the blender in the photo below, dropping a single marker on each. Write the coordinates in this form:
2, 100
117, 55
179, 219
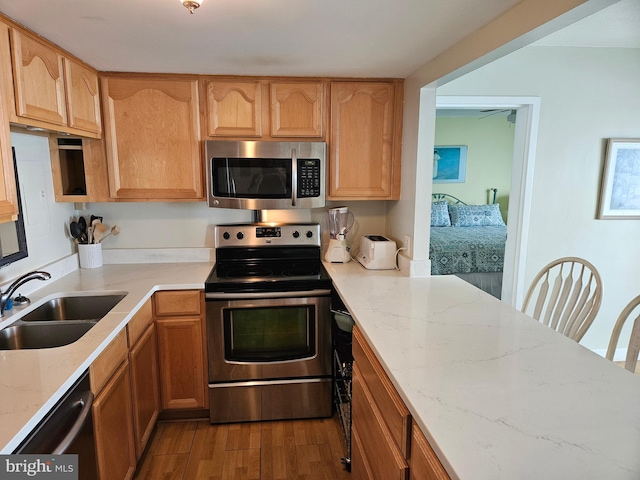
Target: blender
340, 222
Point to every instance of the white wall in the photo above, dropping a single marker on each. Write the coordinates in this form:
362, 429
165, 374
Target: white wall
489, 157
46, 222
587, 95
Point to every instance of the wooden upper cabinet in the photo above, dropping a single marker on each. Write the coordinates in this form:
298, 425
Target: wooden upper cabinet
152, 138
38, 80
47, 87
83, 99
297, 109
365, 139
233, 108
8, 193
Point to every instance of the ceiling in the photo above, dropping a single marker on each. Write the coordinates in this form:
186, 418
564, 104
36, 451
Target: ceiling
354, 38
617, 26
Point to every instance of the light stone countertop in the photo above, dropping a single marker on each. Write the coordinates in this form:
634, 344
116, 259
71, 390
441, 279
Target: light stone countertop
32, 381
497, 394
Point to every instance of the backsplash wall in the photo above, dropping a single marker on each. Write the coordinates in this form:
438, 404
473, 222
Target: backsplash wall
143, 224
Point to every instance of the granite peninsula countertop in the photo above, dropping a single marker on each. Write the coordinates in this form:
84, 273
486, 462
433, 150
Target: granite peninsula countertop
32, 381
497, 394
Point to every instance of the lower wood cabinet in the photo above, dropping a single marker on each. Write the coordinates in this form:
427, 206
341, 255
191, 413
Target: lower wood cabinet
145, 387
360, 469
113, 423
423, 463
386, 444
381, 455
182, 356
125, 382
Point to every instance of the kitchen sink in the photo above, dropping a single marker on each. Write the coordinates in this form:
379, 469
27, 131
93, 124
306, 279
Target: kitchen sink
42, 335
79, 307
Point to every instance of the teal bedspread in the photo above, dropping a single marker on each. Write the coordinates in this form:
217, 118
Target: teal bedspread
467, 249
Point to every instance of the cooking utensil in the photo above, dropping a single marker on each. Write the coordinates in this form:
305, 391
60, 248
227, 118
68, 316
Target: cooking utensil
83, 224
76, 232
99, 230
94, 217
90, 234
115, 230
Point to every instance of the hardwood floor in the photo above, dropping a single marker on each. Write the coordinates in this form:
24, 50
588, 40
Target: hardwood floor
283, 450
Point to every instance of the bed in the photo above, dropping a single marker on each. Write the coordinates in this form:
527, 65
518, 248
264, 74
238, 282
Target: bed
468, 241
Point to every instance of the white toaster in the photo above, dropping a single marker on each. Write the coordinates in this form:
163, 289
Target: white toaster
377, 253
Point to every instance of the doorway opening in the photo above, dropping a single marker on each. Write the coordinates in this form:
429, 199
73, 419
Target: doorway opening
526, 111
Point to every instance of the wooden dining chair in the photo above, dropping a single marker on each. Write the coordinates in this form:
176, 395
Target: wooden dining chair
634, 341
565, 296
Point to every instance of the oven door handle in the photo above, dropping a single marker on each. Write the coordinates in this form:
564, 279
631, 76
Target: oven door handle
258, 295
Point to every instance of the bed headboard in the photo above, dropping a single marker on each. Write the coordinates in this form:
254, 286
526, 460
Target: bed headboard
445, 197
440, 197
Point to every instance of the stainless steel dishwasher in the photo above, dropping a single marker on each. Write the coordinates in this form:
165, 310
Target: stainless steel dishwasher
68, 428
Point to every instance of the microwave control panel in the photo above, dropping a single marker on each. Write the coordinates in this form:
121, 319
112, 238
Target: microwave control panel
308, 178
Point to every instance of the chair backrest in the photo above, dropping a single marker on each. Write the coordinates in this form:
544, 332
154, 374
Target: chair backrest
568, 293
634, 341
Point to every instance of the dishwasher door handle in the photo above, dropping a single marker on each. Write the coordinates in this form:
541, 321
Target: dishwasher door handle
86, 402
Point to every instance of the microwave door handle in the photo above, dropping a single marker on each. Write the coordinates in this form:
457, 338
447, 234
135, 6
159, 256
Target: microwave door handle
294, 178
231, 181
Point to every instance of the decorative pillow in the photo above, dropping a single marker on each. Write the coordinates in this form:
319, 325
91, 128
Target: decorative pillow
440, 215
475, 215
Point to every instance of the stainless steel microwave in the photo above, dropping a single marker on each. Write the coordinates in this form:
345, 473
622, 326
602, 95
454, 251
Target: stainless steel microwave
265, 175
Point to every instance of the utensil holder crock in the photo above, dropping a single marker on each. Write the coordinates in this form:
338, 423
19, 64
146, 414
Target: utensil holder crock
90, 255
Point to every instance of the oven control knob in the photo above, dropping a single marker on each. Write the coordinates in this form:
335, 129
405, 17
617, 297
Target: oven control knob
239, 235
309, 234
296, 234
226, 235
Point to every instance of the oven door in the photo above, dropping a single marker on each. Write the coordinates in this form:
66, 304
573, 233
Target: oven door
252, 339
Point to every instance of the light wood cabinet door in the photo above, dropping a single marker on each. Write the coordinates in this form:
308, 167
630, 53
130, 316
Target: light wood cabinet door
360, 469
365, 138
113, 428
297, 109
182, 363
152, 138
38, 80
8, 194
233, 108
395, 412
145, 387
379, 449
423, 463
83, 99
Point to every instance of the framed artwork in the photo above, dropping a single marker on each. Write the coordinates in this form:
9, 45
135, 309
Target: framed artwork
450, 164
620, 192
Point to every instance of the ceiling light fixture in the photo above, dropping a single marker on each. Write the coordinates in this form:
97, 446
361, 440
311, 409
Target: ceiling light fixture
191, 5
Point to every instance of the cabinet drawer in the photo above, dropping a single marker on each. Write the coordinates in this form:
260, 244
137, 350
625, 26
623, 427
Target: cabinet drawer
178, 302
108, 362
395, 412
380, 450
424, 464
140, 321
360, 469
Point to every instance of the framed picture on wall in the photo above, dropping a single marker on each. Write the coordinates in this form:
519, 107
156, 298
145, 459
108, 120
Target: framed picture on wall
449, 164
620, 191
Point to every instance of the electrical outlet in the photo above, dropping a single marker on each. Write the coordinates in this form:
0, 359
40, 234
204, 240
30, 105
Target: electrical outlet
407, 243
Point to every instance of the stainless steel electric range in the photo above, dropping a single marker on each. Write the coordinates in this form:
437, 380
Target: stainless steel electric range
268, 314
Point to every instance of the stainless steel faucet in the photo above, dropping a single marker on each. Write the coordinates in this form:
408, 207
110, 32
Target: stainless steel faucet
6, 295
